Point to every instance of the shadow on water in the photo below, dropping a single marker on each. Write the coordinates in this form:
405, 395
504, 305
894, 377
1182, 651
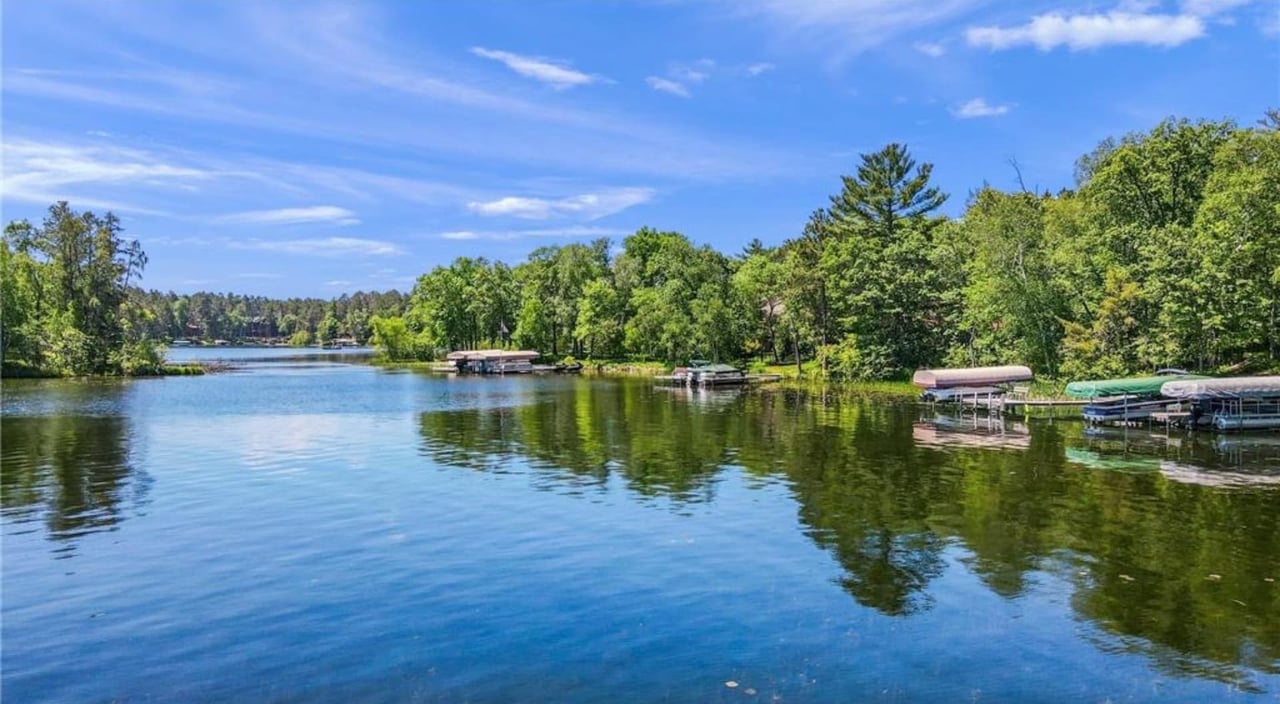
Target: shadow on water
1170, 546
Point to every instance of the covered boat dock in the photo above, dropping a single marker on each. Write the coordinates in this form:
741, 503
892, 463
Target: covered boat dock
492, 361
972, 384
1123, 400
1235, 403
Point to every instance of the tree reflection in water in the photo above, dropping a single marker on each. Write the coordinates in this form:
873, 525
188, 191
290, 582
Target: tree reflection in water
73, 472
1172, 568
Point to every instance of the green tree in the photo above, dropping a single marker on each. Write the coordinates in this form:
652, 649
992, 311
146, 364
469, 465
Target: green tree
79, 284
327, 331
888, 296
760, 282
1013, 308
1237, 235
392, 336
600, 322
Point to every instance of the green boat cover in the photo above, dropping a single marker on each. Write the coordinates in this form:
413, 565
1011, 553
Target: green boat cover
1139, 386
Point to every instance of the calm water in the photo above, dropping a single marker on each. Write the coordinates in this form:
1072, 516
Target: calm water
307, 530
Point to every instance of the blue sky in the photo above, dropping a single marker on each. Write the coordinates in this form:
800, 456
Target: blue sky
305, 148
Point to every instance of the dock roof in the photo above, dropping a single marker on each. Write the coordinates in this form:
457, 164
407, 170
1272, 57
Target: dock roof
1136, 386
492, 355
1230, 387
971, 376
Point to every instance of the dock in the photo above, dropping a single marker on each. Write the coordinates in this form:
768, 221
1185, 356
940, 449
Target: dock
1014, 406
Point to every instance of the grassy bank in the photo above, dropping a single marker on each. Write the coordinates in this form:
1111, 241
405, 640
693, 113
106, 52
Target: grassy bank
625, 368
18, 370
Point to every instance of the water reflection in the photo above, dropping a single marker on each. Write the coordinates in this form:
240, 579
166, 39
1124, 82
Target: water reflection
72, 472
1182, 571
660, 446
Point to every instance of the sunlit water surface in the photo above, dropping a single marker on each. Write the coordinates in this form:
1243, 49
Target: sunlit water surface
303, 529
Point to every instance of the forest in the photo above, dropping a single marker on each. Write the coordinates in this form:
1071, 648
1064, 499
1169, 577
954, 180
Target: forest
1166, 253
72, 306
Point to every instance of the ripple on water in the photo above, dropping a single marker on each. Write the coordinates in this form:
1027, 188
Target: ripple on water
304, 532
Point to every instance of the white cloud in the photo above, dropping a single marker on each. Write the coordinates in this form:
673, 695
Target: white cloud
1207, 8
1078, 32
1270, 25
978, 107
338, 282
759, 68
322, 247
588, 206
666, 85
331, 214
42, 172
360, 83
680, 76
557, 74
564, 232
932, 49
695, 73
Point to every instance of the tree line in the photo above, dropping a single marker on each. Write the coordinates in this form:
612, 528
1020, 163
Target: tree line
70, 304
299, 321
1166, 253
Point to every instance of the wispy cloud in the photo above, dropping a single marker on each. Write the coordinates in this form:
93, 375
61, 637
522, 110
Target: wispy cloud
759, 68
587, 206
43, 172
576, 231
682, 75
1079, 32
666, 85
692, 73
1207, 8
330, 214
359, 83
339, 282
979, 107
1269, 25
110, 173
844, 29
322, 247
931, 49
558, 74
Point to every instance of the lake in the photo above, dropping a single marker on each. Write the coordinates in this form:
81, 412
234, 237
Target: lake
305, 529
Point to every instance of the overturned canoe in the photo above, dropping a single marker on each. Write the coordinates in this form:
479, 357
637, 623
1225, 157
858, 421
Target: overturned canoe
971, 377
1138, 386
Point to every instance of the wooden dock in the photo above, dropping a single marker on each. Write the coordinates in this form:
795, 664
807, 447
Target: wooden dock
1015, 406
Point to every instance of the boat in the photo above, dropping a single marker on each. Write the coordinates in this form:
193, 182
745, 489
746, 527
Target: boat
969, 382
1232, 403
1124, 400
703, 373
